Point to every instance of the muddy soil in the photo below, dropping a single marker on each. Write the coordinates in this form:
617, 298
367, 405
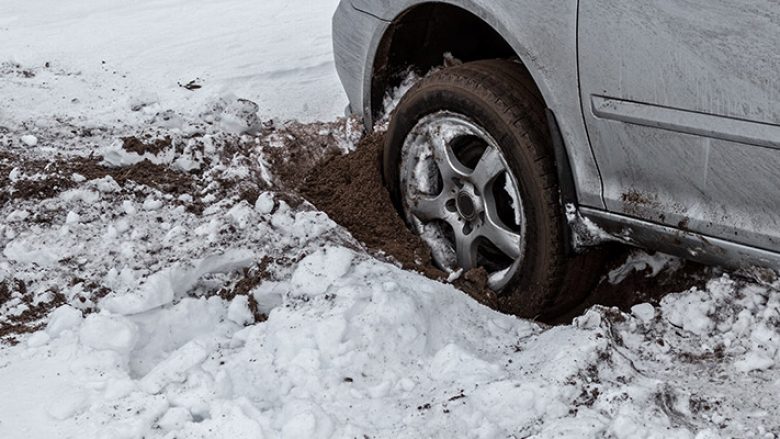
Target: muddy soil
349, 189
638, 286
29, 320
308, 162
58, 177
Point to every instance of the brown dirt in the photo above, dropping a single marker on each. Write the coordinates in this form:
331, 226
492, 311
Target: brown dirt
349, 189
31, 319
306, 147
147, 173
251, 278
638, 287
59, 172
150, 145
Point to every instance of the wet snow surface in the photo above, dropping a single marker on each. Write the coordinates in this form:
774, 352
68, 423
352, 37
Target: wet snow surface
159, 280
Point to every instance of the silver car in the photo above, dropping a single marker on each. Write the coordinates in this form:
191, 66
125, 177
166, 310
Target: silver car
540, 128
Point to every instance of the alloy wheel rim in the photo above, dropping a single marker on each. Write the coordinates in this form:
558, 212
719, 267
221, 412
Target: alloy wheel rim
460, 196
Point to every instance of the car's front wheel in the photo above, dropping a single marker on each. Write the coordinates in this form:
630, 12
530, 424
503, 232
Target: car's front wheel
471, 168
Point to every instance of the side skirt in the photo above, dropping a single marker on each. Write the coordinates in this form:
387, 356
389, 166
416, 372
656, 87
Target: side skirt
685, 244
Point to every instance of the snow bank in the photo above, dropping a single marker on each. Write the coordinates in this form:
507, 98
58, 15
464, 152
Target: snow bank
214, 307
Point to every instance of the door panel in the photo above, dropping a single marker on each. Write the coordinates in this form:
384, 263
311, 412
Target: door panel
681, 99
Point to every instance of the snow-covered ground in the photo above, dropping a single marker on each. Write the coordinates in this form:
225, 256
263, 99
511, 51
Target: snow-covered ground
193, 296
113, 62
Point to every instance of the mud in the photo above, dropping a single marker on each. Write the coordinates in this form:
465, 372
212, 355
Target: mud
308, 162
251, 278
638, 287
146, 145
303, 149
31, 319
349, 189
58, 177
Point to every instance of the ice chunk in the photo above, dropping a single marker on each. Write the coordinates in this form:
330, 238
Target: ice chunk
175, 367
164, 286
240, 214
17, 216
29, 140
318, 271
22, 252
109, 333
754, 360
174, 419
239, 311
644, 312
152, 204
72, 218
63, 319
265, 203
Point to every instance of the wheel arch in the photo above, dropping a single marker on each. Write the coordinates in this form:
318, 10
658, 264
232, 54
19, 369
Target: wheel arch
540, 34
419, 35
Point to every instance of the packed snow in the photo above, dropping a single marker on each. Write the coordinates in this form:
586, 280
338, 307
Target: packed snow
177, 289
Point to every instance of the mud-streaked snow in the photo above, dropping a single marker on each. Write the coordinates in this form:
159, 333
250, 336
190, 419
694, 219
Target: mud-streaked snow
205, 314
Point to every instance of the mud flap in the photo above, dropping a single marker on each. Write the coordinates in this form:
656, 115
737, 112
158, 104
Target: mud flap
566, 187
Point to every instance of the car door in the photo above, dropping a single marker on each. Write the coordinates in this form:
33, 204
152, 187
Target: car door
681, 99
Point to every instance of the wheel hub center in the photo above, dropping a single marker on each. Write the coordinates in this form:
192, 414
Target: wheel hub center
467, 208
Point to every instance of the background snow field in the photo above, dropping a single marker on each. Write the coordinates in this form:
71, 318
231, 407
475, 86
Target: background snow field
108, 57
161, 278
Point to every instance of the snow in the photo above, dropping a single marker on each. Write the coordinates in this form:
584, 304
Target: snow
29, 140
261, 317
642, 261
127, 61
104, 332
644, 312
239, 312
317, 272
64, 318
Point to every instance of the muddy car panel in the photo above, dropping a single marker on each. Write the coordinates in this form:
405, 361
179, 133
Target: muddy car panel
684, 108
674, 103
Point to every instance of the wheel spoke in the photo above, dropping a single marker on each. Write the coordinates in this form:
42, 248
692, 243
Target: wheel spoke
508, 241
456, 208
449, 165
428, 207
488, 168
465, 250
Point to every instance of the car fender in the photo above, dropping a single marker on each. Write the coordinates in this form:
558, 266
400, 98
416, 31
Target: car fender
543, 35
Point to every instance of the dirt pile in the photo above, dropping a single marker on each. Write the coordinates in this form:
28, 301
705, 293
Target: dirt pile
349, 189
307, 161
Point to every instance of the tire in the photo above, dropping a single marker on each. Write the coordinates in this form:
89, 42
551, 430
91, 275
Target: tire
492, 103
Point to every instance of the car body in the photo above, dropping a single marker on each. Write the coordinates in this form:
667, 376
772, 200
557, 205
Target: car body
667, 113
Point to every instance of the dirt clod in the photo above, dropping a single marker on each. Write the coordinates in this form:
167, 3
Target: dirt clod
141, 147
251, 278
349, 189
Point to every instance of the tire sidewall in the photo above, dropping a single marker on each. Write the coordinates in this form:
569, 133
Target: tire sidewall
430, 97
